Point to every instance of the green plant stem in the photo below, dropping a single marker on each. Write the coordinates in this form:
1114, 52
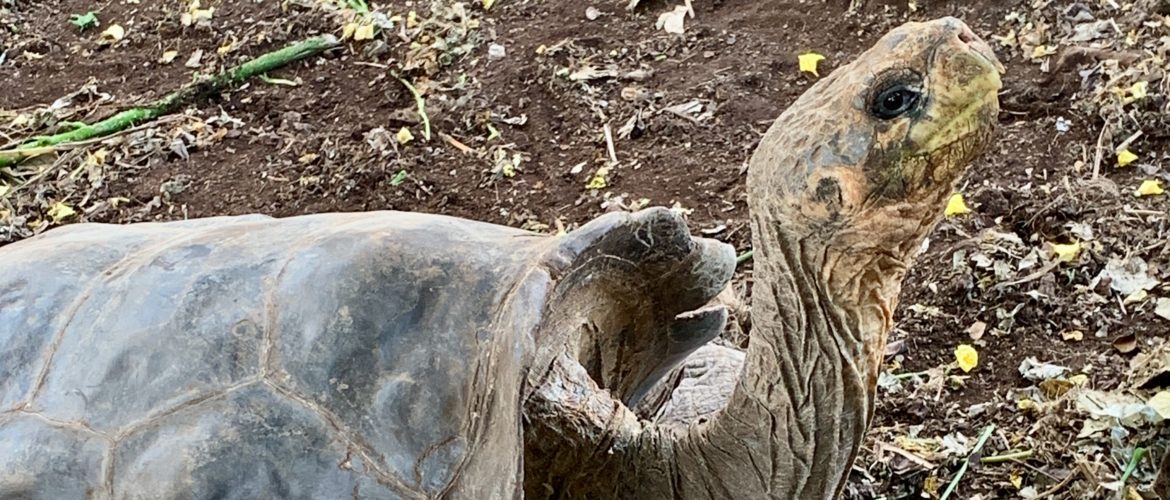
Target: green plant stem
422, 107
1138, 453
173, 101
966, 463
746, 256
1007, 457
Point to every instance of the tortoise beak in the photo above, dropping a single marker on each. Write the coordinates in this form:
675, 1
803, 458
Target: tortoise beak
980, 47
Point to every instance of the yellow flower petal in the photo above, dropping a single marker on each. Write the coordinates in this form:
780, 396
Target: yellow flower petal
97, 157
1139, 89
808, 62
598, 181
404, 136
967, 357
1125, 157
59, 211
348, 30
1042, 51
1150, 188
1067, 253
956, 206
487, 4
364, 32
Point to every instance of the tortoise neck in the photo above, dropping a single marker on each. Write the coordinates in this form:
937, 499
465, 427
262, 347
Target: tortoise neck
808, 379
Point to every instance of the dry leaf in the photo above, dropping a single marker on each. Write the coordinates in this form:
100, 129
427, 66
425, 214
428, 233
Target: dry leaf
808, 62
956, 206
1163, 308
194, 60
113, 34
1160, 402
976, 330
168, 56
673, 21
1125, 344
1054, 388
967, 357
487, 4
1073, 335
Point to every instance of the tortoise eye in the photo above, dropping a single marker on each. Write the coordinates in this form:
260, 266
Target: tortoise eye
895, 101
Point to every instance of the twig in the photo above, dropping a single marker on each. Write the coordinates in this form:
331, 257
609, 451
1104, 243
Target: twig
1036, 275
900, 376
171, 102
966, 463
1097, 155
609, 145
921, 462
1006, 457
422, 107
1128, 140
1138, 453
455, 143
1059, 486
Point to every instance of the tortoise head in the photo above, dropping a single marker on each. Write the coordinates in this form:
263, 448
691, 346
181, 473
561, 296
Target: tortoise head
894, 128
857, 170
879, 144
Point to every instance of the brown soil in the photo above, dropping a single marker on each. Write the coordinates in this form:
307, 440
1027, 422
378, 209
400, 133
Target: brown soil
308, 149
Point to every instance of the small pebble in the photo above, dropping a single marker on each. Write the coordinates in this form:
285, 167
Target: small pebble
1062, 125
496, 51
592, 13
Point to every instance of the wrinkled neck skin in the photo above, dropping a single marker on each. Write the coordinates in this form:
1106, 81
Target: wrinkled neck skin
821, 310
822, 306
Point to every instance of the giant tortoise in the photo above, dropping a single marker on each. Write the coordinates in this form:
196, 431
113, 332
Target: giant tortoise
402, 356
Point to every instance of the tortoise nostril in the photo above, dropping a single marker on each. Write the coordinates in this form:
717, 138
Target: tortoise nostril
967, 36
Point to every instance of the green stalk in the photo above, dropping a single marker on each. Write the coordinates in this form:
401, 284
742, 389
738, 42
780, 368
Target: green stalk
1138, 453
1007, 457
963, 468
170, 103
422, 107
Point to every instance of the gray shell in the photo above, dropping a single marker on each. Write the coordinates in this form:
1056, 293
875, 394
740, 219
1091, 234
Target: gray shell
364, 355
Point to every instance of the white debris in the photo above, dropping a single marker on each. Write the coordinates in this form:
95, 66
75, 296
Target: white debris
1032, 369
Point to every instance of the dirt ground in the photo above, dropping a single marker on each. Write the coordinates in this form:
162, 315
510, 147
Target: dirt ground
518, 98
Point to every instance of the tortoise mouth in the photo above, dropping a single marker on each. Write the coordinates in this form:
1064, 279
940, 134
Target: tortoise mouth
977, 116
